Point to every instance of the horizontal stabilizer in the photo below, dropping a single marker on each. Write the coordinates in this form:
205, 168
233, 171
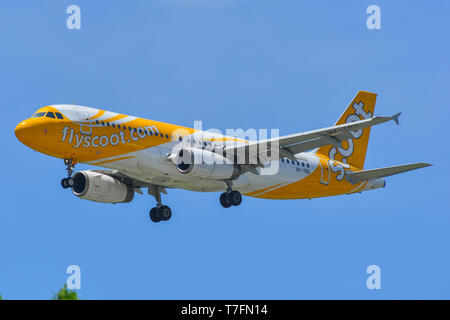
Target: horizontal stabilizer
355, 177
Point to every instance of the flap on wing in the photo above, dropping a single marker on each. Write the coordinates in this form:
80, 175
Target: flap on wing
356, 177
124, 178
301, 142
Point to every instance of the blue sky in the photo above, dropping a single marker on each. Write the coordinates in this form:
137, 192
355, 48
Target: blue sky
292, 65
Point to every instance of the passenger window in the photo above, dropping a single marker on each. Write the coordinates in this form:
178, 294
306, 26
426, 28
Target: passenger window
38, 115
59, 115
167, 137
50, 115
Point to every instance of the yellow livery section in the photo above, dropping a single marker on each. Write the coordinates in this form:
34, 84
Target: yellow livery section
311, 187
90, 139
353, 150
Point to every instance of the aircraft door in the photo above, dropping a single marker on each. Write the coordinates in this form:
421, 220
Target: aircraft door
85, 122
325, 174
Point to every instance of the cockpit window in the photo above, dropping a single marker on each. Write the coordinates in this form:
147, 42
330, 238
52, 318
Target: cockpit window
59, 115
50, 115
38, 114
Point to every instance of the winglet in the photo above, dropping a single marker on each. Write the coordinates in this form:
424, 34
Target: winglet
395, 118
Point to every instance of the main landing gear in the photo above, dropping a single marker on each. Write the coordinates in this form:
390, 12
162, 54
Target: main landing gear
230, 197
68, 182
160, 212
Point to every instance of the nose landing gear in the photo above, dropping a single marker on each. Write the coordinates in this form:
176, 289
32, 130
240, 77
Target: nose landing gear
68, 182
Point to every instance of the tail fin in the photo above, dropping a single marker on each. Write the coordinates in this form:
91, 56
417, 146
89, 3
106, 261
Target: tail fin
353, 151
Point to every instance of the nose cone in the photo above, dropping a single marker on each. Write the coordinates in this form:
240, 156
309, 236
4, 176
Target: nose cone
24, 133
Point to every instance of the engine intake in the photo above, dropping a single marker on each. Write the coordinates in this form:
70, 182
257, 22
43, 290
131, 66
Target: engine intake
204, 164
100, 187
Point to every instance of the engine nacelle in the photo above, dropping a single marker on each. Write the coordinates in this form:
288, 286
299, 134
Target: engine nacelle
100, 187
204, 164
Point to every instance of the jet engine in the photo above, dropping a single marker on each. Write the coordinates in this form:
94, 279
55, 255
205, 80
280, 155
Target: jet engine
100, 187
204, 164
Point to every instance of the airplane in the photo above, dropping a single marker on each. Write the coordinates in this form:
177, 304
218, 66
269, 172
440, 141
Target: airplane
139, 153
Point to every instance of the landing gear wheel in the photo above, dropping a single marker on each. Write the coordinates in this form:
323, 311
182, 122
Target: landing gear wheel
232, 198
235, 197
162, 213
225, 200
165, 213
68, 182
154, 215
65, 183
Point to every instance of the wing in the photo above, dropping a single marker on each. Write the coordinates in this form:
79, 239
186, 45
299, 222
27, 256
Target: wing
356, 177
135, 183
252, 153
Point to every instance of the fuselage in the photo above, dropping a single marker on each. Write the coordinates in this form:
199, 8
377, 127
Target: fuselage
139, 148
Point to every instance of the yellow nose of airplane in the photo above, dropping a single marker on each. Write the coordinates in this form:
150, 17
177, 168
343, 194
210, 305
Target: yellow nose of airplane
24, 132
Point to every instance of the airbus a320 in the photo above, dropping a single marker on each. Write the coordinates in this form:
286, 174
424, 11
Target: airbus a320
139, 153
